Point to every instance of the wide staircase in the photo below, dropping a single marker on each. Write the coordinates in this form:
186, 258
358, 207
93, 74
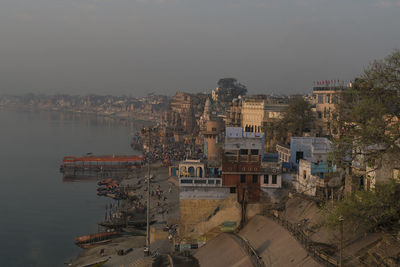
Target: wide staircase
141, 262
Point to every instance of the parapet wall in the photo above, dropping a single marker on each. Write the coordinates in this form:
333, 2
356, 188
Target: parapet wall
216, 193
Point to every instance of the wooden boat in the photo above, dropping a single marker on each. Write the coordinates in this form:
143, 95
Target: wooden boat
105, 181
88, 241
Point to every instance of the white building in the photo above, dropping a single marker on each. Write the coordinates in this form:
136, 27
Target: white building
256, 111
312, 149
271, 176
191, 173
191, 168
247, 143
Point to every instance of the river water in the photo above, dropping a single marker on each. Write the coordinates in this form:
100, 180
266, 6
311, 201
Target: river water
40, 214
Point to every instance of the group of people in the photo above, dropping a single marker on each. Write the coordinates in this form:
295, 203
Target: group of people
157, 195
167, 152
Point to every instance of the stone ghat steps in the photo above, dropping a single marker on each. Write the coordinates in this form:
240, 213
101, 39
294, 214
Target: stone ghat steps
141, 262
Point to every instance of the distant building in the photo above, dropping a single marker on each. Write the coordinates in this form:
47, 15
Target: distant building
325, 97
206, 116
181, 113
234, 118
256, 111
212, 137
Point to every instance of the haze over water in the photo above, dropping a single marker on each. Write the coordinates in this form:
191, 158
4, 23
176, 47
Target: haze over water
40, 213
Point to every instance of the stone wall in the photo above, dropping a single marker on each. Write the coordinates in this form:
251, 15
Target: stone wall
203, 209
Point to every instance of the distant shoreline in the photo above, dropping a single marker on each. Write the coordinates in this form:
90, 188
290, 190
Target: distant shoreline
116, 117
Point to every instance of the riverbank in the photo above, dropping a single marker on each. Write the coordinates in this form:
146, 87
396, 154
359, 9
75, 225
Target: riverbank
164, 211
119, 117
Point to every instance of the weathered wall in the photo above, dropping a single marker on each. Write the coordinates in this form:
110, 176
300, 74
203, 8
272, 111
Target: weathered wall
202, 209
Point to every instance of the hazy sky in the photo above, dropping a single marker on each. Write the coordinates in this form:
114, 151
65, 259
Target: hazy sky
135, 47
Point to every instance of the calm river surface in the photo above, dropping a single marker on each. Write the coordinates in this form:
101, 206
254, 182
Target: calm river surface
40, 214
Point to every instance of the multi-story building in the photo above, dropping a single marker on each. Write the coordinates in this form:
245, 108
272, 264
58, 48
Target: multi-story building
234, 118
271, 176
256, 110
325, 98
180, 114
241, 163
262, 115
253, 113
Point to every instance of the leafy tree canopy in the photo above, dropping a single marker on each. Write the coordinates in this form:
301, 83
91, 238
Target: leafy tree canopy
230, 88
367, 209
368, 113
297, 118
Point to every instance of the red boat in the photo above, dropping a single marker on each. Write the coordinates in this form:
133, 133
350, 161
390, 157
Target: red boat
100, 163
88, 241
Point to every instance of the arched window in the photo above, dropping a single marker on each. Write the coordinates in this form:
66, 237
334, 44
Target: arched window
191, 171
199, 172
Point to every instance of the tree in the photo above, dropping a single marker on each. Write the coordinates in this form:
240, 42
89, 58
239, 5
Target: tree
229, 89
297, 118
367, 115
367, 209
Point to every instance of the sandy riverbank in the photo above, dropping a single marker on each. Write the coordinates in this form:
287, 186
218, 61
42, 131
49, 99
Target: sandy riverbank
163, 211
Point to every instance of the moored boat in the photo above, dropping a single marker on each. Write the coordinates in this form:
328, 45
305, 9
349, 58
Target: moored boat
88, 241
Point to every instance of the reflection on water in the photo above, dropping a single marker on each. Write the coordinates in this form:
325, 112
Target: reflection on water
41, 214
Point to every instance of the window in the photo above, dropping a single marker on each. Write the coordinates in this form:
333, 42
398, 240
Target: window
255, 179
243, 178
299, 156
210, 181
266, 179
320, 99
214, 129
254, 152
304, 174
244, 152
274, 179
319, 114
233, 190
